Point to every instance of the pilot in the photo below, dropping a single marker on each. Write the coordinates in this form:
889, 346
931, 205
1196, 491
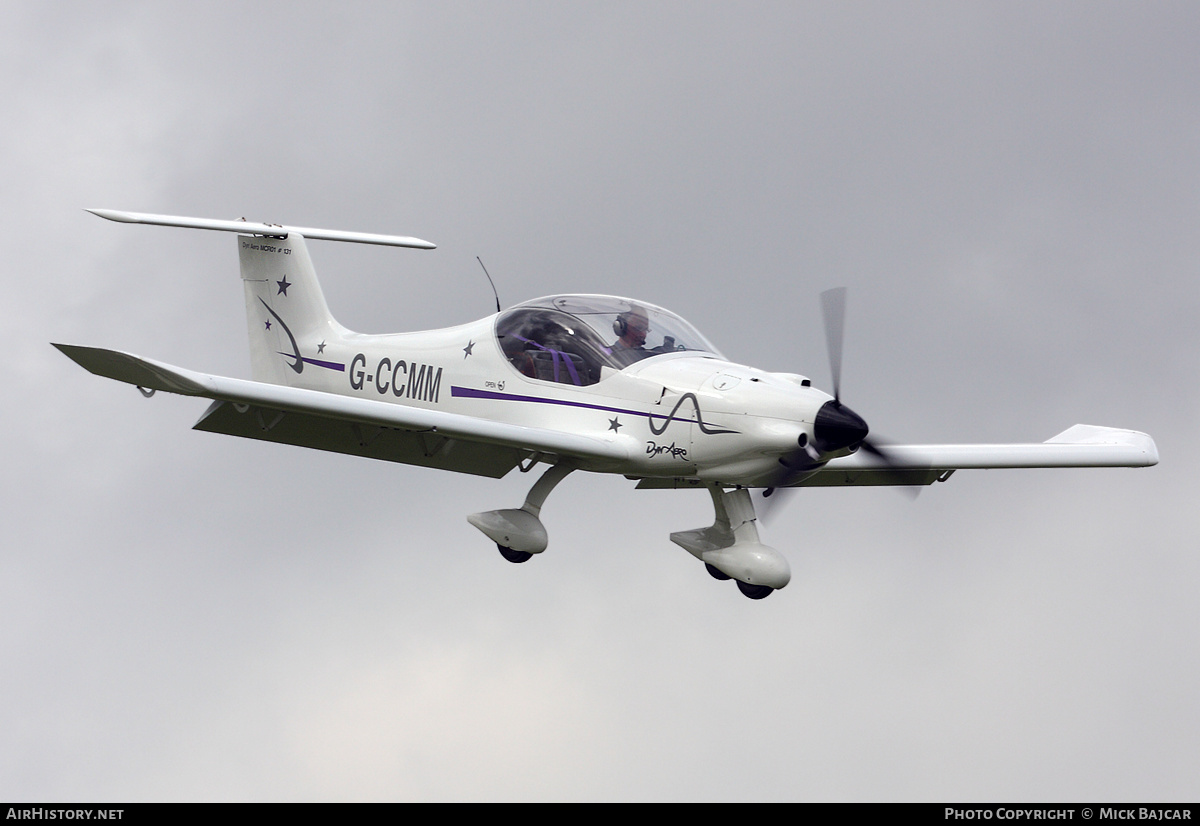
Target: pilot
631, 328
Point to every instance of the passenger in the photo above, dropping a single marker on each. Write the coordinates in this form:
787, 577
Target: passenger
514, 347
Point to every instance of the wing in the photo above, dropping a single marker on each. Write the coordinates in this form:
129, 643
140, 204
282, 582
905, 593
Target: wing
346, 424
1082, 445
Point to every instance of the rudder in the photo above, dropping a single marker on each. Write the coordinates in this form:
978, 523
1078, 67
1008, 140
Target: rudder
286, 314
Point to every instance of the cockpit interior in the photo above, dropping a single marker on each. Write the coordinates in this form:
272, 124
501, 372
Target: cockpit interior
571, 339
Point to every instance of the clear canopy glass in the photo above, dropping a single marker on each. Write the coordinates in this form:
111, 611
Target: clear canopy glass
570, 338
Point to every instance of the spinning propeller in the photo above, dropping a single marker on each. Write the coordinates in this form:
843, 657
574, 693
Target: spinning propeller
836, 427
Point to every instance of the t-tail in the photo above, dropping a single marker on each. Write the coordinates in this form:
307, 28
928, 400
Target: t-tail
289, 322
286, 315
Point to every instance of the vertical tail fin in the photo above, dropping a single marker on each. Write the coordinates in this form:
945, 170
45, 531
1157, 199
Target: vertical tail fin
286, 313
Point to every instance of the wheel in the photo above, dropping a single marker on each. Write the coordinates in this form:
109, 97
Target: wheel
754, 591
514, 556
715, 573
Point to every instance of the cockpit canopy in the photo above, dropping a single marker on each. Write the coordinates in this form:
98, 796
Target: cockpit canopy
570, 338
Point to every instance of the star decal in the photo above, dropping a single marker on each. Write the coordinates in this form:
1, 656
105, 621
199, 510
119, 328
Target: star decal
321, 348
467, 350
268, 323
614, 425
283, 285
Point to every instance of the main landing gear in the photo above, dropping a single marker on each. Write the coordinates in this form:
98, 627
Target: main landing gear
730, 548
518, 532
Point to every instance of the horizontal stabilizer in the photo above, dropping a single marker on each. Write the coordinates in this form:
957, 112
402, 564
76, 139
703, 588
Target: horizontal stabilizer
272, 230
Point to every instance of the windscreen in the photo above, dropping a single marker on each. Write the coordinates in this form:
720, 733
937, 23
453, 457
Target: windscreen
570, 338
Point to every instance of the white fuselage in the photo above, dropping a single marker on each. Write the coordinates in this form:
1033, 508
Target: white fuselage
678, 414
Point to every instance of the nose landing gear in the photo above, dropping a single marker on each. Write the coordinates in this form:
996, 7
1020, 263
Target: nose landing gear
730, 548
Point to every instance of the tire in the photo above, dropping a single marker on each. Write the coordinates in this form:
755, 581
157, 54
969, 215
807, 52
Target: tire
716, 573
755, 591
514, 556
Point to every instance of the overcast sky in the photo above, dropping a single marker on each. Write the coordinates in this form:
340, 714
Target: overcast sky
1011, 192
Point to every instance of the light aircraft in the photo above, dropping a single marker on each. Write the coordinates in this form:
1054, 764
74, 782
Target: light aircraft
573, 382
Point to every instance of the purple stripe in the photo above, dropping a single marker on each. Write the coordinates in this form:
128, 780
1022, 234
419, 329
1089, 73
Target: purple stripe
328, 365
469, 393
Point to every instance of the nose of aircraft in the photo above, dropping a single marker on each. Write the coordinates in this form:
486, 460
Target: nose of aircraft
837, 427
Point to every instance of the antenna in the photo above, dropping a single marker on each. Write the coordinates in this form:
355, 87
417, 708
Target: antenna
490, 281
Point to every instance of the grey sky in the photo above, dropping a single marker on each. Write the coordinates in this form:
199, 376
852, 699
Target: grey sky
1009, 190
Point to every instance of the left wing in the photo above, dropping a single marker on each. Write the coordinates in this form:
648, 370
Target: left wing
346, 424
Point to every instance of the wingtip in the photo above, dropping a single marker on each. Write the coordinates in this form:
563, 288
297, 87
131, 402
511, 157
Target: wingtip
1142, 444
112, 215
1151, 452
76, 353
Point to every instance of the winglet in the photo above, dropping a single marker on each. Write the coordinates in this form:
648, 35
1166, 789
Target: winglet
151, 375
1091, 434
252, 228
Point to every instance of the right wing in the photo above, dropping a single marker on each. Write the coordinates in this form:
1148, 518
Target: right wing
1082, 445
346, 424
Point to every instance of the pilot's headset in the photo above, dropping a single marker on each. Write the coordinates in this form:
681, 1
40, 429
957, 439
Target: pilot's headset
621, 322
